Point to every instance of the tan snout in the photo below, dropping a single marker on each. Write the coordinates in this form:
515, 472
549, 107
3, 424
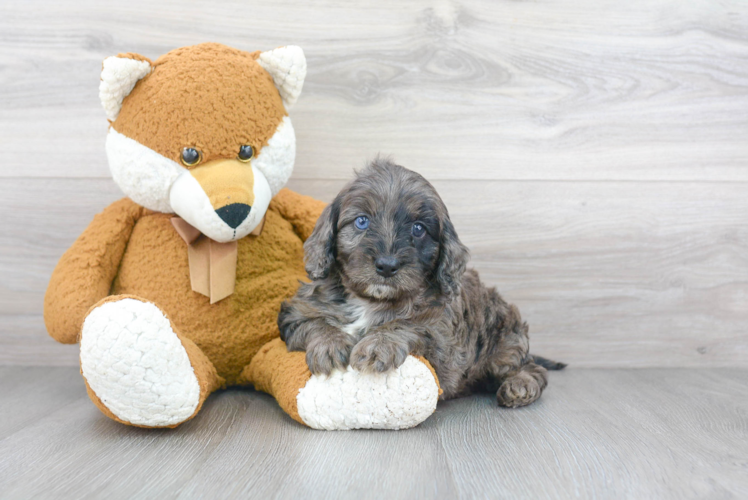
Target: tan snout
229, 185
226, 182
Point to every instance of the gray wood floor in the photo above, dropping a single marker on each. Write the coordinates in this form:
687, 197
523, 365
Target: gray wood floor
649, 433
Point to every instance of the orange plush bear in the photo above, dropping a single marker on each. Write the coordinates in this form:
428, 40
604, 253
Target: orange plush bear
174, 291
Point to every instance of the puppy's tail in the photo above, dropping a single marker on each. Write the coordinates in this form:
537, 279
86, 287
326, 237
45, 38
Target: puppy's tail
546, 363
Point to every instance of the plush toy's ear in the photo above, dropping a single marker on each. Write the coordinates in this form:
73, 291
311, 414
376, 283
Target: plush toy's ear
287, 66
118, 77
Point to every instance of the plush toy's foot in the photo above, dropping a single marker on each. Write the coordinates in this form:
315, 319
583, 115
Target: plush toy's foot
137, 369
399, 399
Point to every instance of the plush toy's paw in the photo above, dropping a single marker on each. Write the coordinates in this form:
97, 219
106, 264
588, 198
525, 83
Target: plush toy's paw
399, 399
136, 365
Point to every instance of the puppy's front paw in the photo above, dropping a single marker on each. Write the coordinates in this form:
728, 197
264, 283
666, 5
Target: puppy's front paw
377, 353
324, 353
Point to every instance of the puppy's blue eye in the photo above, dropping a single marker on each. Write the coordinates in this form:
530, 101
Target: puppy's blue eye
362, 222
418, 230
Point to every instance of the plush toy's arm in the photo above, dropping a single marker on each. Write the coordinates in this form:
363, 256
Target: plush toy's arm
346, 399
85, 272
301, 211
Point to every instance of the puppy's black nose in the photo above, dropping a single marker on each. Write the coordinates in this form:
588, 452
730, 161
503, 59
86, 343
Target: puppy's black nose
234, 214
387, 266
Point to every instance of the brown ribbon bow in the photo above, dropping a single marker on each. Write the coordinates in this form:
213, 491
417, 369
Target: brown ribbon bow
212, 264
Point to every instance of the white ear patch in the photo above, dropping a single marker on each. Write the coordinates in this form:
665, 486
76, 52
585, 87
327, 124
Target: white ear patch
276, 159
118, 77
141, 173
287, 66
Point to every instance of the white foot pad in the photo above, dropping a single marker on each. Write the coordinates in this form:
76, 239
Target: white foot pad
136, 364
345, 400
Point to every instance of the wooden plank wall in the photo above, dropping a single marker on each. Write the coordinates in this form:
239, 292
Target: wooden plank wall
593, 154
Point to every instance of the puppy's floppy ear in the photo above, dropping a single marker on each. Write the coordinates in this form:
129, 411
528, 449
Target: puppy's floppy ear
453, 258
320, 249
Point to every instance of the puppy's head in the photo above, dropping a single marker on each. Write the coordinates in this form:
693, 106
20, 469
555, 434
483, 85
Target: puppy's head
387, 235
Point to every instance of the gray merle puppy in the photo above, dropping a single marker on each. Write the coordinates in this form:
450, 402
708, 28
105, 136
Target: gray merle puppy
389, 280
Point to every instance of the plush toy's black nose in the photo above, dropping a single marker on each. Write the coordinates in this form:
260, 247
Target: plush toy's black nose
234, 214
387, 266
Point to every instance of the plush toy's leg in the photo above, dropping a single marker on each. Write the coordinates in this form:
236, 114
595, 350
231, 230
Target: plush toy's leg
138, 369
400, 399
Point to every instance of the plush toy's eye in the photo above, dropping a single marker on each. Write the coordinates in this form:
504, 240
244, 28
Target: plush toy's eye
362, 222
418, 230
191, 157
246, 153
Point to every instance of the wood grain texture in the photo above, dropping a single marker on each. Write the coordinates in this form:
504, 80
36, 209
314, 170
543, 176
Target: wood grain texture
606, 273
656, 433
593, 154
476, 89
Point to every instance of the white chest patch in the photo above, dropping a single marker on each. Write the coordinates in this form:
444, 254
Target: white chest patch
361, 320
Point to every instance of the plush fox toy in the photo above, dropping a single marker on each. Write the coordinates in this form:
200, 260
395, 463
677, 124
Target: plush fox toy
174, 291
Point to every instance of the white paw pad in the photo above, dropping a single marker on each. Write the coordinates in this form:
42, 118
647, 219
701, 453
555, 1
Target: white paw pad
345, 400
136, 364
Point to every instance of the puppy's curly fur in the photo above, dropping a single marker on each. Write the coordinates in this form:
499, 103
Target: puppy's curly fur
389, 279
